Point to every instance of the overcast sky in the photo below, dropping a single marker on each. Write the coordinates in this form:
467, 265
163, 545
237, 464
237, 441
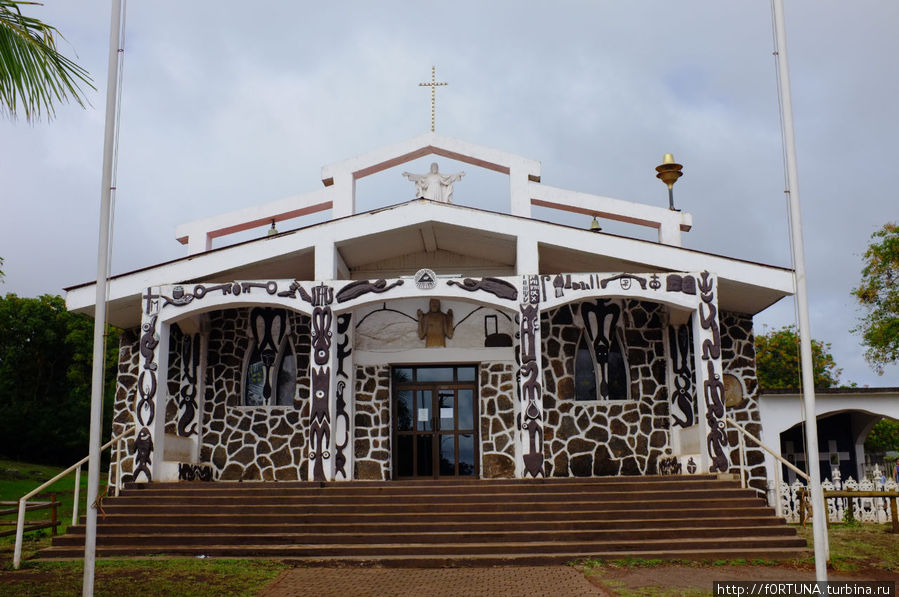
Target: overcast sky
228, 105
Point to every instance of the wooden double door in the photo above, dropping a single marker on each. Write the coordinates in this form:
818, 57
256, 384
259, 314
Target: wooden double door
435, 421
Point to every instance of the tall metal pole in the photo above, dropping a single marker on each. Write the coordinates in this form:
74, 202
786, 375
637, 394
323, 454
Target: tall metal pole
93, 474
805, 342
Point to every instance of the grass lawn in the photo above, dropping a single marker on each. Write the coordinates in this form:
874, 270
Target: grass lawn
18, 478
147, 578
860, 547
858, 552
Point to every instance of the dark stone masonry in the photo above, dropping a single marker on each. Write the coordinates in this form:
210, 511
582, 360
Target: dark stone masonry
581, 438
604, 437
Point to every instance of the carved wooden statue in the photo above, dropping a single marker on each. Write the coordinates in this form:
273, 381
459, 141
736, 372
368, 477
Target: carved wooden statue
435, 326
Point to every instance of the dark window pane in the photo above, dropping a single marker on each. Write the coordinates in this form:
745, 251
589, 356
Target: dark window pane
446, 400
434, 374
402, 375
584, 372
447, 454
254, 381
404, 410
425, 454
617, 372
287, 379
466, 454
466, 373
423, 404
466, 409
404, 455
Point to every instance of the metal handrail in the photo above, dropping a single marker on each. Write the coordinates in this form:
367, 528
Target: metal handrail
20, 524
787, 463
778, 504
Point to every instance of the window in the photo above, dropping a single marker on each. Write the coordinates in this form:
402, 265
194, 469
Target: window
600, 366
270, 372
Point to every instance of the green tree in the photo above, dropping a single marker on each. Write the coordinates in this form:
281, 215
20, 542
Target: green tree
33, 72
45, 379
878, 293
777, 361
884, 436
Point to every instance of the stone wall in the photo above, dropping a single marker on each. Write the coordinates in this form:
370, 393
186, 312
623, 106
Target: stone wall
497, 412
371, 429
176, 338
608, 437
738, 359
123, 403
252, 443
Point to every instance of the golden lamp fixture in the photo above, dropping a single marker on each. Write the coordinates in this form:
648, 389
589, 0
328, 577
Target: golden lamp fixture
668, 172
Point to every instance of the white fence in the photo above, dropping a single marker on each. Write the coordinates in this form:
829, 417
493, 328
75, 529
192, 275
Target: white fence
866, 509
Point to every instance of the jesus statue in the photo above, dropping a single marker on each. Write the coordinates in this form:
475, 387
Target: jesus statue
434, 185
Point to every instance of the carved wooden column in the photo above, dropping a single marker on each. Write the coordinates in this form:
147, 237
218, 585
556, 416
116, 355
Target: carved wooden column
321, 370
530, 432
344, 399
149, 407
709, 381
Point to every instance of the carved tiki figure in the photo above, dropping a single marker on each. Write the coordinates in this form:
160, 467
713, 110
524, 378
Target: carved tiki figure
435, 326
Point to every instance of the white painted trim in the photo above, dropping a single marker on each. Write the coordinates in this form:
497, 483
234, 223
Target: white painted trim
669, 222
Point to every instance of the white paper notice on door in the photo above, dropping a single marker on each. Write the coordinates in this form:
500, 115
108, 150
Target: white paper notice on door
446, 413
424, 414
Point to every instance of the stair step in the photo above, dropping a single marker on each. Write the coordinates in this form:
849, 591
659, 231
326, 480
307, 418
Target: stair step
225, 524
282, 537
433, 522
585, 548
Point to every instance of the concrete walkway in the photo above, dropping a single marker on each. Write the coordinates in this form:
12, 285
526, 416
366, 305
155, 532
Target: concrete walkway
501, 581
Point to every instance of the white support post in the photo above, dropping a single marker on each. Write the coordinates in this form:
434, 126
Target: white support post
778, 500
116, 26
669, 234
119, 448
325, 261
519, 193
742, 460
344, 202
75, 497
527, 257
805, 347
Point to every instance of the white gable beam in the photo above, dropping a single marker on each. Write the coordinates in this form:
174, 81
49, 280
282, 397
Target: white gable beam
427, 144
669, 222
198, 235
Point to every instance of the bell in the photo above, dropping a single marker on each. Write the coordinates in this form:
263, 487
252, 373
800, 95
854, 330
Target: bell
272, 231
594, 225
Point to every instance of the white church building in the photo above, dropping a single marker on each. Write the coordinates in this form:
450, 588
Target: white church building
428, 339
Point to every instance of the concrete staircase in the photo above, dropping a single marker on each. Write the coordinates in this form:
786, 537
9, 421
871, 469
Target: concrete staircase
441, 522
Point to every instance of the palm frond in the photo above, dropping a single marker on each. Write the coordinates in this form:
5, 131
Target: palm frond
33, 72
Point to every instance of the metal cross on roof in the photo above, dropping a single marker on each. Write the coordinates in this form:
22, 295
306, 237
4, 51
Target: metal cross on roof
433, 84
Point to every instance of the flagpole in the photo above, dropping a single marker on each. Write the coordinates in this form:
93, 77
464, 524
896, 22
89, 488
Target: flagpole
805, 344
97, 377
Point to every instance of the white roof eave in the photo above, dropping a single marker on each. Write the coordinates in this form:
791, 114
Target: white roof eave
655, 256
